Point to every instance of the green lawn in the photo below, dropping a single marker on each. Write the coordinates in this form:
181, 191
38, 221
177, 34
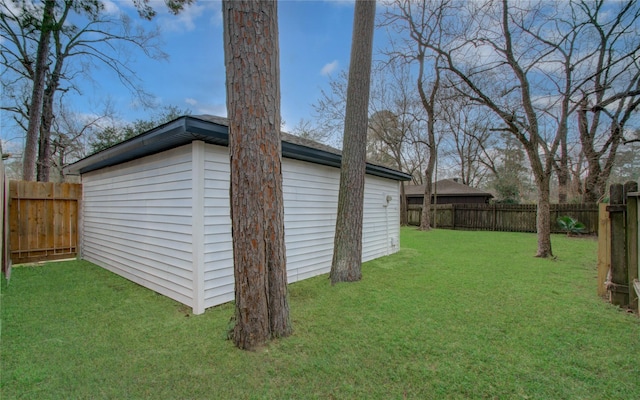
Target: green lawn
453, 315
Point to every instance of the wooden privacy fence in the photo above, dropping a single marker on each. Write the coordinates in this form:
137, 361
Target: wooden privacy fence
618, 243
4, 218
503, 217
43, 220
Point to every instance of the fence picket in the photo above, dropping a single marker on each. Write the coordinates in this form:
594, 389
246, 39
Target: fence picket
43, 220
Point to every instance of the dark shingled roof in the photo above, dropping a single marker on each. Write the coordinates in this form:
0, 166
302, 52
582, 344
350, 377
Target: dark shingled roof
446, 187
214, 130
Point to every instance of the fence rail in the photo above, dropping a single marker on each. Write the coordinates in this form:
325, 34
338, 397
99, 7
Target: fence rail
43, 220
503, 217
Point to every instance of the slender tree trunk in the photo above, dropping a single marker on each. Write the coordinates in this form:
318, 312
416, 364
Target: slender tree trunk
403, 206
257, 210
428, 103
563, 172
37, 94
425, 218
425, 221
347, 248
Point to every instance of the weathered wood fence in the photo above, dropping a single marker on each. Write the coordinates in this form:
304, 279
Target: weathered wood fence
618, 243
43, 220
503, 217
4, 220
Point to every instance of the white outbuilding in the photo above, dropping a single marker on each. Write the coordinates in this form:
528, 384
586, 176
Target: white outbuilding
155, 209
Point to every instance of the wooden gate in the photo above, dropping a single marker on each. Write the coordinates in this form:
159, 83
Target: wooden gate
43, 220
619, 242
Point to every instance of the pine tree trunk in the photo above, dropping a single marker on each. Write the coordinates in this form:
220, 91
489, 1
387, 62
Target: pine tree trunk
35, 107
347, 248
403, 206
257, 209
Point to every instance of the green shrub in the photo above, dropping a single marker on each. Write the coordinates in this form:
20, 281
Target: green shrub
571, 225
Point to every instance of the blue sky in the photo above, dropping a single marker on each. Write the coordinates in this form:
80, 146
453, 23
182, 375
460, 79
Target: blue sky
315, 42
315, 39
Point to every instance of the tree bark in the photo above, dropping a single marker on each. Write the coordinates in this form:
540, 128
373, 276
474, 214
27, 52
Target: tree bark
425, 218
52, 85
37, 94
257, 210
563, 168
44, 140
543, 220
403, 206
346, 265
428, 103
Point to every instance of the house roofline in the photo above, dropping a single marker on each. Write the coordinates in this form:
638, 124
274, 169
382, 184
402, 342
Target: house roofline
187, 129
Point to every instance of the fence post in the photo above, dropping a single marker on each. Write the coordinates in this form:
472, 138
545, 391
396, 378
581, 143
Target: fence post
617, 284
631, 189
494, 223
604, 248
453, 216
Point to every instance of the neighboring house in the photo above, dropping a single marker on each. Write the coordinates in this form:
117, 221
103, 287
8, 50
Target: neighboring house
448, 191
155, 209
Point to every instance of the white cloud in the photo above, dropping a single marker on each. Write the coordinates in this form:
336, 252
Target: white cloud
110, 7
329, 68
341, 3
219, 110
186, 19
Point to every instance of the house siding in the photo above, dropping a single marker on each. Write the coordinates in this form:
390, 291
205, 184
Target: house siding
137, 221
381, 221
311, 201
218, 247
140, 218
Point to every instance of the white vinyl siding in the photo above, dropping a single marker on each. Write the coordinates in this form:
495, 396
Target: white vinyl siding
218, 248
381, 222
142, 220
310, 206
137, 220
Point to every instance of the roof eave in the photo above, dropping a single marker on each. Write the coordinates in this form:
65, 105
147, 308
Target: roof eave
186, 129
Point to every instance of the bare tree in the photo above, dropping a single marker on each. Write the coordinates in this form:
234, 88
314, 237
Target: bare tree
469, 138
395, 135
306, 129
419, 23
329, 109
346, 265
68, 135
36, 72
488, 66
610, 94
257, 210
68, 46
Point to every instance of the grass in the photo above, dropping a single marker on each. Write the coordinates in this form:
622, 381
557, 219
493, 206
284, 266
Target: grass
453, 315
